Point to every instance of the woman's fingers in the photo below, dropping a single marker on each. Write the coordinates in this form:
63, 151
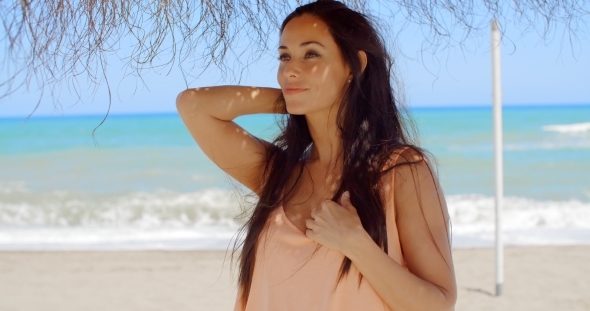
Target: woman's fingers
345, 200
331, 224
314, 212
310, 224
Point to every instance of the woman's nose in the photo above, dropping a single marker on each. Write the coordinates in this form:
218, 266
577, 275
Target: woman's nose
291, 69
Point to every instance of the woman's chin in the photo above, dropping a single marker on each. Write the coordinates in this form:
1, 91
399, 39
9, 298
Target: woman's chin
296, 108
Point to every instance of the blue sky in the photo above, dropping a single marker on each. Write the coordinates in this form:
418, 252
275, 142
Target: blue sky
534, 72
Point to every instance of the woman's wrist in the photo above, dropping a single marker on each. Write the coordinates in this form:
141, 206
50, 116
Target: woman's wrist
357, 244
257, 100
231, 101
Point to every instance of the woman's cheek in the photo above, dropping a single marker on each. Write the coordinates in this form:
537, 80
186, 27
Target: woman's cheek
280, 76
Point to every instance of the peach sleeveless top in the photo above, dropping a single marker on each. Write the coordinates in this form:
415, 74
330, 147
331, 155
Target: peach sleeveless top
288, 275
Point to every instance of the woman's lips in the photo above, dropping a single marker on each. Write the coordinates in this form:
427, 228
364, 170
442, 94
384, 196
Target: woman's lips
293, 91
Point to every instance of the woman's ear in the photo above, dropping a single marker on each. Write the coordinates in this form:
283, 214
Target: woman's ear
363, 58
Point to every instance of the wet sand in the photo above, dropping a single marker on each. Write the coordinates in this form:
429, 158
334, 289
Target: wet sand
536, 278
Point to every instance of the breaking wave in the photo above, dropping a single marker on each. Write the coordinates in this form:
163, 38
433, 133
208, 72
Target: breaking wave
573, 128
206, 219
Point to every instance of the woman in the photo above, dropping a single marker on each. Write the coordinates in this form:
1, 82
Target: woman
350, 214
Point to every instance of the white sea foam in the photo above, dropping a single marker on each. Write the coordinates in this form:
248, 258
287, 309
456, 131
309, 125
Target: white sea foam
206, 220
12, 187
475, 213
573, 128
570, 143
208, 207
524, 221
548, 145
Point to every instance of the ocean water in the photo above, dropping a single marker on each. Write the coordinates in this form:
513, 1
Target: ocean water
147, 185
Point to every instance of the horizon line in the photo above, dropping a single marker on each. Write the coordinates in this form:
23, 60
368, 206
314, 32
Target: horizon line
408, 107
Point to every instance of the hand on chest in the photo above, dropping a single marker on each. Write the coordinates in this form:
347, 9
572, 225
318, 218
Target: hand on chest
313, 187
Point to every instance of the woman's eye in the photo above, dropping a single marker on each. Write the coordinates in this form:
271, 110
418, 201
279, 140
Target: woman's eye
284, 57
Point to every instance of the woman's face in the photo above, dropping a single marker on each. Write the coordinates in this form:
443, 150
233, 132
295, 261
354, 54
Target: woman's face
312, 72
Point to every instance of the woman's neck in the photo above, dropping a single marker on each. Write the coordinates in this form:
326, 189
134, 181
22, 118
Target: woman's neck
326, 139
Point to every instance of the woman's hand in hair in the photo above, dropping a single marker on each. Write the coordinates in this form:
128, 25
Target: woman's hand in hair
336, 226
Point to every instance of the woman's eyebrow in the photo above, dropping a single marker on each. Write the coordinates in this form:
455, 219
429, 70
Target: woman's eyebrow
282, 47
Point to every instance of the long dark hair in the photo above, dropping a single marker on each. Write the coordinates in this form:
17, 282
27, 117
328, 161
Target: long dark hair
371, 127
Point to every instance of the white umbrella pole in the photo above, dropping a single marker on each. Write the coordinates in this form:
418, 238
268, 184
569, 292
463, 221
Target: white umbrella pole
497, 98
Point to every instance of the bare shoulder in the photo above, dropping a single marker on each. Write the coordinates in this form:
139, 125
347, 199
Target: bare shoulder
415, 193
405, 163
407, 155
423, 220
408, 162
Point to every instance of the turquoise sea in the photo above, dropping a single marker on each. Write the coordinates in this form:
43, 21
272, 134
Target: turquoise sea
147, 185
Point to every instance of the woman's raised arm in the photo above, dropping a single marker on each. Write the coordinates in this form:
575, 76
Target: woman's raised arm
208, 112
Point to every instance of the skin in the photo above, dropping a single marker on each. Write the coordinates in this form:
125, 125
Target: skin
319, 70
310, 60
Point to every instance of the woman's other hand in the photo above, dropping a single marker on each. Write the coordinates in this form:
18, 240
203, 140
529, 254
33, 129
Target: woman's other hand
336, 226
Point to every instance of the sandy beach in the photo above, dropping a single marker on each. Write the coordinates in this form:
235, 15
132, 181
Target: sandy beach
536, 278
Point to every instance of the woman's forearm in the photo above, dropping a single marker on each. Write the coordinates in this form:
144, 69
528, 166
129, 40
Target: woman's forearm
229, 102
399, 288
